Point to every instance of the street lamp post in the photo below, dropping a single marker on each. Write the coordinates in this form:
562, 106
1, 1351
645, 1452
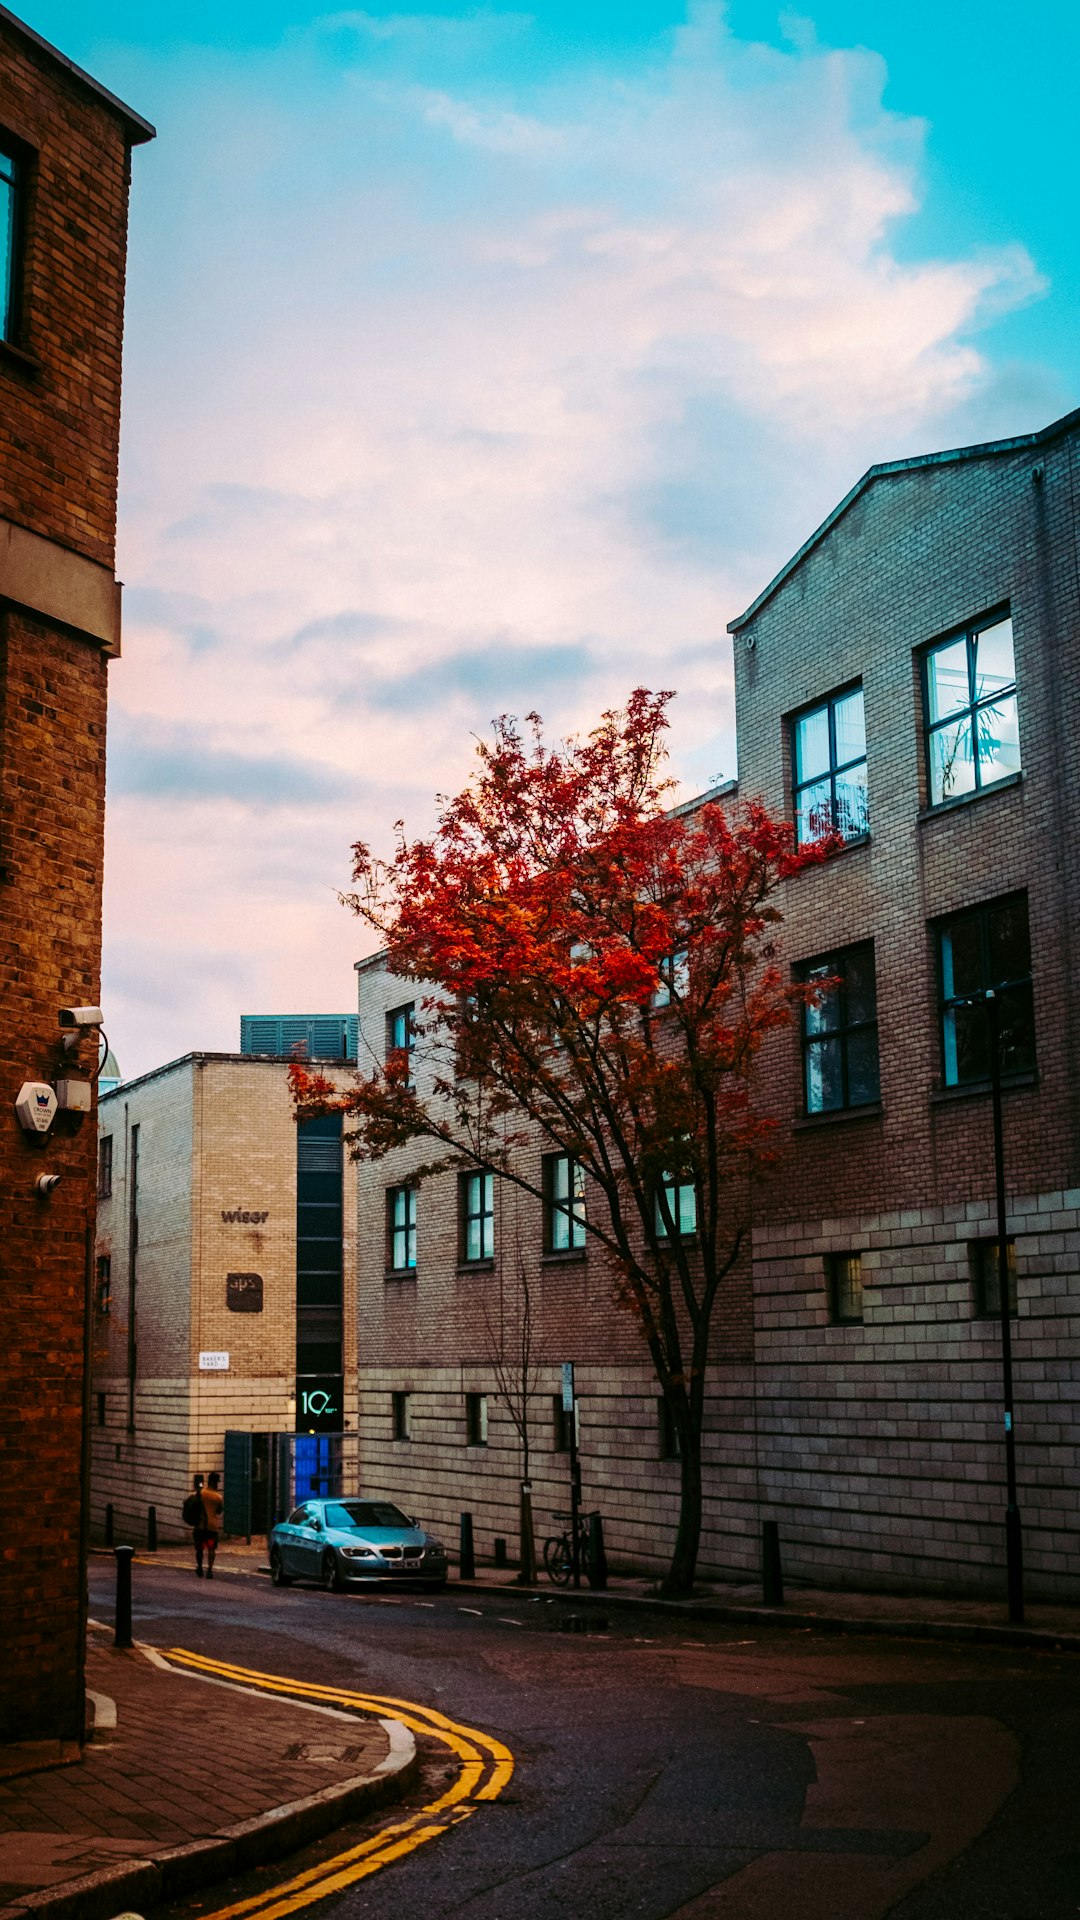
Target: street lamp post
1014, 1551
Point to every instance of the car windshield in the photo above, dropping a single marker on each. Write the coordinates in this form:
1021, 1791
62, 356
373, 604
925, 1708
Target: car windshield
365, 1513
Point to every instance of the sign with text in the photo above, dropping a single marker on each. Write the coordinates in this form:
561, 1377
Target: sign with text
213, 1363
244, 1292
320, 1403
568, 1386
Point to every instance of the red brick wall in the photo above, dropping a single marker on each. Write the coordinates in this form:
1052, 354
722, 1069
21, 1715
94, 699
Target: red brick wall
59, 423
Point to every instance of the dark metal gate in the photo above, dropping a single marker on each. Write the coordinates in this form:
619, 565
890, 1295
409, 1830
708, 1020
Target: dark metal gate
268, 1474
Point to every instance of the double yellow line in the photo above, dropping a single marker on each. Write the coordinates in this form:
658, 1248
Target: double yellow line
486, 1767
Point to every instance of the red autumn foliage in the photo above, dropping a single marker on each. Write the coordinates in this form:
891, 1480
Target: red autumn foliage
598, 967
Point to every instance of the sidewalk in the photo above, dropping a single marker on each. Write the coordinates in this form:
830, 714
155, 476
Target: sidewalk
184, 1781
1047, 1624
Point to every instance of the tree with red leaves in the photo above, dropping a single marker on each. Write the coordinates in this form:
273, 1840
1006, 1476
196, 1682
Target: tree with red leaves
596, 970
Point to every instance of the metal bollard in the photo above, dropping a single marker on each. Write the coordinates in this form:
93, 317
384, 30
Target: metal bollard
500, 1553
466, 1550
122, 1635
597, 1568
772, 1576
109, 1525
151, 1529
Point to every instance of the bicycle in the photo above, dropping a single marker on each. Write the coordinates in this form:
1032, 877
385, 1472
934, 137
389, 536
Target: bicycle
559, 1552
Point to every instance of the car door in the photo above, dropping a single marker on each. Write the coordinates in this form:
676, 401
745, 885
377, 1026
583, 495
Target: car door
309, 1543
290, 1541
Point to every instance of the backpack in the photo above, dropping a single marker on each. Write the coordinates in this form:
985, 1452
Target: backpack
191, 1512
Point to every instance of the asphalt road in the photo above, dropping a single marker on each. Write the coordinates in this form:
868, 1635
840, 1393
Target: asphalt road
666, 1768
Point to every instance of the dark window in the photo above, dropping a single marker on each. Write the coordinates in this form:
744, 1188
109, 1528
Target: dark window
829, 756
401, 1229
103, 1284
562, 1423
400, 1037
667, 1433
843, 1271
970, 696
104, 1166
679, 1196
985, 1278
986, 948
477, 1227
564, 1204
11, 186
401, 1416
839, 1031
476, 1420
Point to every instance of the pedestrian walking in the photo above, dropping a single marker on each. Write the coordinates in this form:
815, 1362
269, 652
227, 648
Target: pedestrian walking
208, 1525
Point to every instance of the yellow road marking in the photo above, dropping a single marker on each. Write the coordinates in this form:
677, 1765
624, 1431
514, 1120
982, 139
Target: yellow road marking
486, 1767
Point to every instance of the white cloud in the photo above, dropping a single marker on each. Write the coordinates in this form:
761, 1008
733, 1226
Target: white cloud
450, 397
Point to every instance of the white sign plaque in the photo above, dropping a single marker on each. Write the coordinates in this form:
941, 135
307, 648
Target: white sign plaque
213, 1363
568, 1386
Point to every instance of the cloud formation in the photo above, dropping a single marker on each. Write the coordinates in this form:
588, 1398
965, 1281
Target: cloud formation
451, 392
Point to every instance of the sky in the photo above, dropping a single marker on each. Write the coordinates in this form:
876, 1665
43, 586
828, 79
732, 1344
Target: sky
483, 360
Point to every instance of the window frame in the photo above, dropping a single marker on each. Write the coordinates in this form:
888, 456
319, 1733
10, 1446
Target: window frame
572, 1208
827, 705
484, 1214
103, 1284
21, 158
476, 1419
401, 1414
395, 1229
970, 635
833, 1284
674, 1185
105, 1166
981, 912
983, 1266
835, 963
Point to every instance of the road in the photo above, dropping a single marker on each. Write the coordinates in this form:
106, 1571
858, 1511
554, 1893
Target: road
669, 1770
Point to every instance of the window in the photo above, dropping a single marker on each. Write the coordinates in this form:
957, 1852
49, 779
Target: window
839, 1031
476, 1420
843, 1271
401, 1033
564, 1204
562, 1425
987, 947
666, 1431
829, 748
104, 1166
679, 1195
401, 1229
674, 978
10, 191
985, 1278
103, 1284
970, 698
477, 1230
401, 1415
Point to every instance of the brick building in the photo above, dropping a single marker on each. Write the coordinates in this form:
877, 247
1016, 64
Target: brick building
910, 675
224, 1287
64, 170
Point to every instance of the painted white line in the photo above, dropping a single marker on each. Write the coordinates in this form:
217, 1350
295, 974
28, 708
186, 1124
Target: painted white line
504, 1620
474, 1610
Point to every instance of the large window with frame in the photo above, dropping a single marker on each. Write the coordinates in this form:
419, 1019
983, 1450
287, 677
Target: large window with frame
986, 1277
984, 948
564, 1204
401, 1229
839, 1030
829, 768
10, 191
477, 1224
844, 1279
969, 684
676, 1201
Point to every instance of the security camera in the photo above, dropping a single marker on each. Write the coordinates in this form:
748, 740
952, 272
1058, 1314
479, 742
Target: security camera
81, 1017
47, 1183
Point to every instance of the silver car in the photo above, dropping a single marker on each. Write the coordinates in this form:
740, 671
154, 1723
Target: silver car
339, 1542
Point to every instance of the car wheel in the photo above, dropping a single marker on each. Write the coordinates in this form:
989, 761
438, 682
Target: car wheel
278, 1575
331, 1574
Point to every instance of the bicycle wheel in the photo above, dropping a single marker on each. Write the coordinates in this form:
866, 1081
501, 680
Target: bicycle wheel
558, 1562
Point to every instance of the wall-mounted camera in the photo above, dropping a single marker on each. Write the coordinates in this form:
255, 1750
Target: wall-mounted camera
82, 1017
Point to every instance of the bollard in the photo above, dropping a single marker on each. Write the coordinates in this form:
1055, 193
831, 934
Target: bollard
151, 1529
466, 1552
122, 1635
500, 1553
109, 1525
597, 1567
772, 1576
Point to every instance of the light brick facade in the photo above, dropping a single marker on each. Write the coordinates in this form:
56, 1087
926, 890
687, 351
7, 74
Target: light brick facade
215, 1194
59, 622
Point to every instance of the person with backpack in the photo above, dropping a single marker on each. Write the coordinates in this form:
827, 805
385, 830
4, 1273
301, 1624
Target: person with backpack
202, 1512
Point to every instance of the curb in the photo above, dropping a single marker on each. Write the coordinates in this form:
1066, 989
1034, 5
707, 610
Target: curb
1036, 1639
176, 1871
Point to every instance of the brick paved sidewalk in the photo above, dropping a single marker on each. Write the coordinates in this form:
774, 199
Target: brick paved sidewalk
186, 1759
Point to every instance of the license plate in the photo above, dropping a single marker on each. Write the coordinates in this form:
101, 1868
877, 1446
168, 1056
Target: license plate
409, 1565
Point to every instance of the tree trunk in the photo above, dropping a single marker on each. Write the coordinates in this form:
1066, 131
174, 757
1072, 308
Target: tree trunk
678, 1581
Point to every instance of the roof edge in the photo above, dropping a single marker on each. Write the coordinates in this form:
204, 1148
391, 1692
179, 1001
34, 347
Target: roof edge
140, 130
982, 451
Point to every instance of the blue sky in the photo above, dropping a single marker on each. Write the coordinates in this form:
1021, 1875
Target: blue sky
491, 359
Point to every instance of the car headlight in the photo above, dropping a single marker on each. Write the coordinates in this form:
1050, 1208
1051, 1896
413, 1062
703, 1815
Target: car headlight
358, 1553
436, 1549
